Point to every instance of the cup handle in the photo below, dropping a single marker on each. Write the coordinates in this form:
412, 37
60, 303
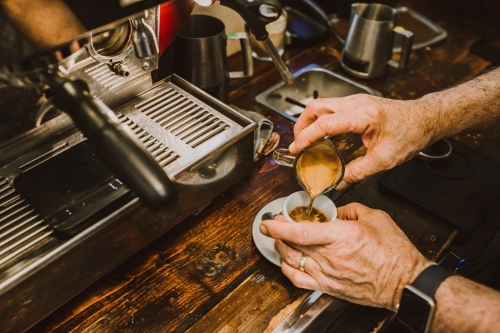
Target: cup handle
406, 46
246, 53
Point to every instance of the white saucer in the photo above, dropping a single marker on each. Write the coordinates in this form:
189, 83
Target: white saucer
266, 244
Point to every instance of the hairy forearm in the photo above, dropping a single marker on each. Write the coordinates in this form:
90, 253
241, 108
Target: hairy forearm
44, 22
471, 106
465, 306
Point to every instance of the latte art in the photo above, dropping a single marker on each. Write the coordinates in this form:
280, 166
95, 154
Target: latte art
300, 214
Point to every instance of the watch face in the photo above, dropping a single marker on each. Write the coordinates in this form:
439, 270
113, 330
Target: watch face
415, 309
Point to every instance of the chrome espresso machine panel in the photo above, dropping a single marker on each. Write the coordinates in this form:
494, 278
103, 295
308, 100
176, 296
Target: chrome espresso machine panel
66, 218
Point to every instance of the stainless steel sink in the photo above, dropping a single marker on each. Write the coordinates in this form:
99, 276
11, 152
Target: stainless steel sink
311, 82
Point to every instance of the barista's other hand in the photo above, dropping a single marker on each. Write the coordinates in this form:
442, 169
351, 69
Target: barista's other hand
363, 257
392, 130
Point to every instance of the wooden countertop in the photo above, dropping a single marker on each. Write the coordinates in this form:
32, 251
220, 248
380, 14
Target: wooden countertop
206, 275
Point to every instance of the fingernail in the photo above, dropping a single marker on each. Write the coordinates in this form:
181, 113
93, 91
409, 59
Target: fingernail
341, 185
263, 229
292, 146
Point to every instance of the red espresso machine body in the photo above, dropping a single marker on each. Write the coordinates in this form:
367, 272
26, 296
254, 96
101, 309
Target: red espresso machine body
173, 15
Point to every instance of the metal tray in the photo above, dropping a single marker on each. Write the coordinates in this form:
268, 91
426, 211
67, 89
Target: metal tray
425, 31
310, 82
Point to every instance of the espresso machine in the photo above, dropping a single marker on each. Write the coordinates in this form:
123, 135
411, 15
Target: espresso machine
98, 158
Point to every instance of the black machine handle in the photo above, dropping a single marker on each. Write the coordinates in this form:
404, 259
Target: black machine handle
253, 15
115, 144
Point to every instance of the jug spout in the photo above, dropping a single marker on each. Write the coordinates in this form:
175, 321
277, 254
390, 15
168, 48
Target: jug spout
357, 9
318, 168
373, 11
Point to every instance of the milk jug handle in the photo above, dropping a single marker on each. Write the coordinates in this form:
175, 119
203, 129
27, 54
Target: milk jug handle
282, 156
406, 38
246, 53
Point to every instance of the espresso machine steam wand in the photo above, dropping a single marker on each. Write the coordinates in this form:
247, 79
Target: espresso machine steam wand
256, 15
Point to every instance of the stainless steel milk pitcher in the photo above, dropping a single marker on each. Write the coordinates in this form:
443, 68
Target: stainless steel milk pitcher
200, 55
369, 44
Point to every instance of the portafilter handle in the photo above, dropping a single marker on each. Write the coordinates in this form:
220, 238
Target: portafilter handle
114, 143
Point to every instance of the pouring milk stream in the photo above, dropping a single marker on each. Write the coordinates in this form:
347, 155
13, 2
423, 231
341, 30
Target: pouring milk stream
319, 168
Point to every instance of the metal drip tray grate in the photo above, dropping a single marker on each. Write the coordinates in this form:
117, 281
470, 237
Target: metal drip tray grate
162, 154
21, 228
177, 115
188, 121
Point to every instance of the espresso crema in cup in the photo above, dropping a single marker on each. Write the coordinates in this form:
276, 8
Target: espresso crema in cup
300, 214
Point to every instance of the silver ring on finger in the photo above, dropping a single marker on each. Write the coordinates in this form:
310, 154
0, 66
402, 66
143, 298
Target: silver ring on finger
302, 262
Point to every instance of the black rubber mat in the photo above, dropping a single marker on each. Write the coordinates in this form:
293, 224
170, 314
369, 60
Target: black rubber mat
461, 189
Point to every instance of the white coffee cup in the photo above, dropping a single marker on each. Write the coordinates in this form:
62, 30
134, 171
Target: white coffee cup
301, 198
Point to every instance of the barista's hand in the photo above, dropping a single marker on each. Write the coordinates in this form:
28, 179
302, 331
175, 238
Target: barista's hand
363, 257
392, 131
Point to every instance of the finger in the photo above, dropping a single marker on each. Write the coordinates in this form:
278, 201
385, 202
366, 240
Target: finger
292, 254
332, 124
299, 233
314, 109
353, 211
361, 168
298, 278
342, 185
324, 106
280, 218
289, 254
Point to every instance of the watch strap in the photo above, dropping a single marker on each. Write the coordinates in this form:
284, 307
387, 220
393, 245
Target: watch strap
430, 278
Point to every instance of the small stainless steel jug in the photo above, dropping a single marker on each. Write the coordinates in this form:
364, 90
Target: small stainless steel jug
283, 156
200, 55
370, 41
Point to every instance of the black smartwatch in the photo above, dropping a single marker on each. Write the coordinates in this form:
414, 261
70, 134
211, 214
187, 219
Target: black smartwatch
417, 306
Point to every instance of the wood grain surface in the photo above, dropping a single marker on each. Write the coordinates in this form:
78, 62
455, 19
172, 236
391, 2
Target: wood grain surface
206, 275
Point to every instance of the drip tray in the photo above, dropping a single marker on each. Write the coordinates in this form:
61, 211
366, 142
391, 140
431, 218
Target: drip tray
182, 127
460, 190
311, 82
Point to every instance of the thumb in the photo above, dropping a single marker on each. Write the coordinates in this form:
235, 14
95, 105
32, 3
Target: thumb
360, 168
352, 211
